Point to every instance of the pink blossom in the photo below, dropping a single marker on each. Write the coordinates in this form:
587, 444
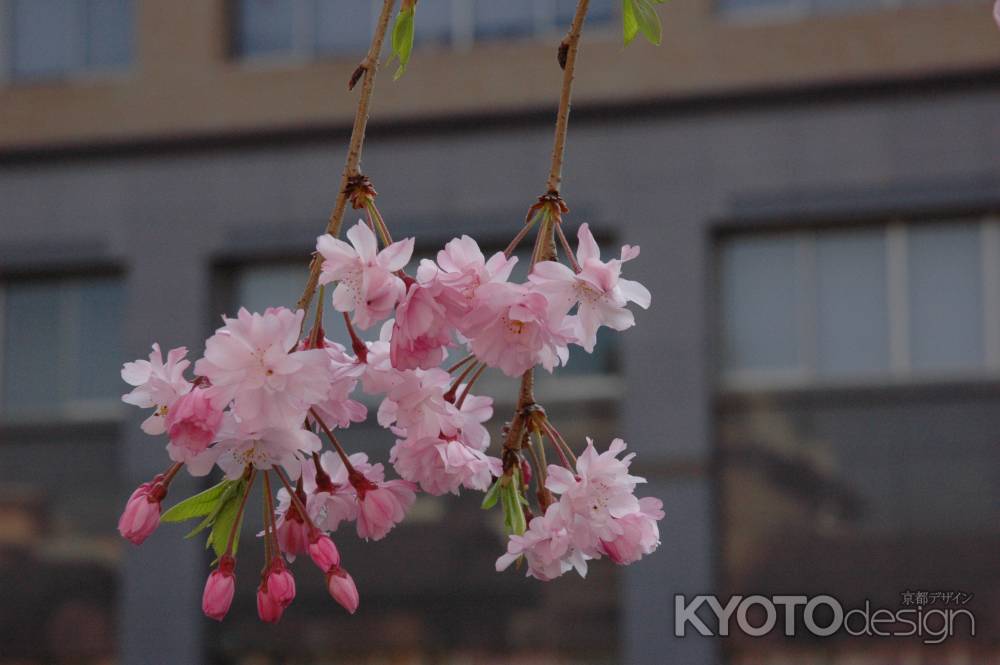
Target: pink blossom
293, 533
382, 504
599, 493
598, 290
421, 334
333, 500
996, 13
337, 409
323, 552
443, 464
639, 533
157, 385
379, 375
219, 589
249, 364
341, 586
192, 422
416, 403
276, 592
548, 547
366, 284
460, 270
142, 512
262, 449
514, 328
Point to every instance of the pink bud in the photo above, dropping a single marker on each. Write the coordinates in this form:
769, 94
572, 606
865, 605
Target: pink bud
192, 421
142, 513
293, 534
342, 588
219, 589
275, 593
525, 472
323, 552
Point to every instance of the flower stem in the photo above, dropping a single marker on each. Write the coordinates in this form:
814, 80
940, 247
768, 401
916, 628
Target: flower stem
560, 444
334, 442
468, 386
296, 501
566, 248
461, 362
351, 165
268, 515
450, 395
239, 511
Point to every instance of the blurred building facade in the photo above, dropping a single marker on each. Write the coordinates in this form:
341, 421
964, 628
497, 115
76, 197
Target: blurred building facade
814, 393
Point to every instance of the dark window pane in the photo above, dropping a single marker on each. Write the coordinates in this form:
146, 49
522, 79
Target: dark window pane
433, 22
32, 351
343, 26
946, 297
599, 11
109, 33
510, 18
852, 310
47, 37
265, 26
760, 293
100, 306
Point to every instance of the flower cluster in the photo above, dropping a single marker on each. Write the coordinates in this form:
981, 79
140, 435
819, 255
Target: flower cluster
597, 514
269, 390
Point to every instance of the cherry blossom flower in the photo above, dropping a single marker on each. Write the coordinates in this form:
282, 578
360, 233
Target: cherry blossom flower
443, 464
192, 422
547, 546
219, 589
341, 586
263, 449
382, 505
640, 534
421, 334
293, 533
157, 385
460, 270
379, 375
250, 365
142, 513
514, 328
600, 492
333, 500
416, 403
276, 592
337, 409
366, 284
996, 13
598, 289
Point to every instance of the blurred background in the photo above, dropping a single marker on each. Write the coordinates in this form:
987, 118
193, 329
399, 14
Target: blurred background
815, 393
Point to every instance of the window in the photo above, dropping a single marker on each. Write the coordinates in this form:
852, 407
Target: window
865, 493
59, 38
61, 347
60, 352
342, 27
889, 302
793, 8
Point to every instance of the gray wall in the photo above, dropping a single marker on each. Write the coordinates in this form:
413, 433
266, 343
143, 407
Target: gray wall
661, 179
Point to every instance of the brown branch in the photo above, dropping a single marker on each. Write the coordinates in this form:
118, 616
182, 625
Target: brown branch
568, 47
351, 166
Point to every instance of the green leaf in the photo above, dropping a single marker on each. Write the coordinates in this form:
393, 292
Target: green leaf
235, 489
649, 21
513, 511
224, 523
199, 505
630, 26
402, 39
492, 494
640, 16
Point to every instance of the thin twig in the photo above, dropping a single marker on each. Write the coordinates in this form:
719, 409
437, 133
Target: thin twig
468, 386
239, 511
333, 440
569, 46
351, 165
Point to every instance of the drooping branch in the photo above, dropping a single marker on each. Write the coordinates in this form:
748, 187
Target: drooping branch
553, 203
369, 67
567, 58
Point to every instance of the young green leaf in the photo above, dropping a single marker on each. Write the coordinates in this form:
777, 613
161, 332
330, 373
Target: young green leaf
640, 16
492, 494
225, 520
402, 38
649, 21
235, 488
199, 505
513, 511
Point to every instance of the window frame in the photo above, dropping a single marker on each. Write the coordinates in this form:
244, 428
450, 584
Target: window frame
900, 372
81, 71
71, 411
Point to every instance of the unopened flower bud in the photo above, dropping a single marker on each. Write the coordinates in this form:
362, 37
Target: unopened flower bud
142, 513
275, 593
323, 552
342, 588
219, 589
